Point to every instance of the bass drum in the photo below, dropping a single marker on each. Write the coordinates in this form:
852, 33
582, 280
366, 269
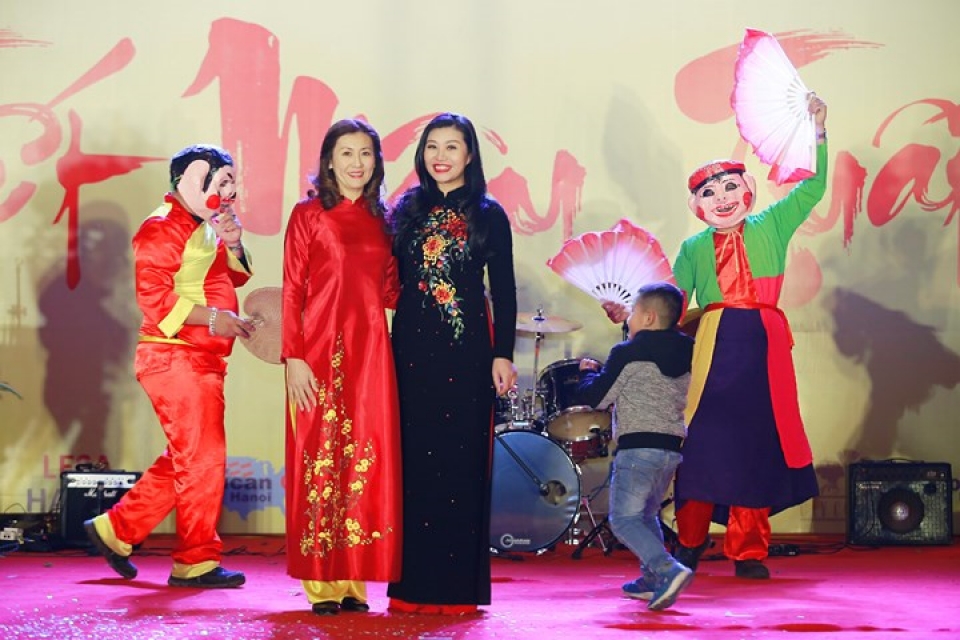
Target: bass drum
535, 493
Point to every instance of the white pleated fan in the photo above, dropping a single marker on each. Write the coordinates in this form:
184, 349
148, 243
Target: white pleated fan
770, 102
612, 264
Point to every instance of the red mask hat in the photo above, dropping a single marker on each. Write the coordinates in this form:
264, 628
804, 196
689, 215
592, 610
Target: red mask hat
721, 193
713, 169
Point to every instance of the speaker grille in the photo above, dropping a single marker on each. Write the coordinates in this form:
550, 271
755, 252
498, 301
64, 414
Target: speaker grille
906, 503
84, 495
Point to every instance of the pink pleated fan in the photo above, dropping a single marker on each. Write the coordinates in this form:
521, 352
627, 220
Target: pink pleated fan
770, 103
612, 264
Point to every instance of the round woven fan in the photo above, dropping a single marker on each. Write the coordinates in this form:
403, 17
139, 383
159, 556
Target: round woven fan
770, 102
612, 264
263, 307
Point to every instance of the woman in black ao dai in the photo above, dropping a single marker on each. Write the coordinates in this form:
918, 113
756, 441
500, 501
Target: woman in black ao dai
452, 357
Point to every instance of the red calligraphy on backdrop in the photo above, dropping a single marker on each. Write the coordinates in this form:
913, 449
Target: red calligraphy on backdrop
702, 90
249, 91
244, 59
702, 87
74, 168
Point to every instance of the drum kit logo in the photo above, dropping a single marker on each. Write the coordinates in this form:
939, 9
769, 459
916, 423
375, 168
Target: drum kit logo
542, 436
507, 541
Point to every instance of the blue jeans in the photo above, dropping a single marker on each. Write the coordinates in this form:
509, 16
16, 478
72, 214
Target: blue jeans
639, 480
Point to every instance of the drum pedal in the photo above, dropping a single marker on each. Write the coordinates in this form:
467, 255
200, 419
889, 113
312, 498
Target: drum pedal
598, 533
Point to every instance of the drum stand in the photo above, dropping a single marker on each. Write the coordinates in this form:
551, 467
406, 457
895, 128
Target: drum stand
538, 340
603, 534
529, 410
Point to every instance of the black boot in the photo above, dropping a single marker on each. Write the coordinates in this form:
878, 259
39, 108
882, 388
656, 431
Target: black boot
751, 569
690, 556
120, 564
217, 578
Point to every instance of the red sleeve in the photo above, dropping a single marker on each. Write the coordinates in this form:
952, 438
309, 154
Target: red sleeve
296, 253
238, 277
158, 256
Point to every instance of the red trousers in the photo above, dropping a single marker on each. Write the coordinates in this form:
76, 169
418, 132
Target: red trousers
748, 530
185, 386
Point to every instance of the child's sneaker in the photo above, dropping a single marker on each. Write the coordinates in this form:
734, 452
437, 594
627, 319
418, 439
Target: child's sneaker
675, 582
639, 589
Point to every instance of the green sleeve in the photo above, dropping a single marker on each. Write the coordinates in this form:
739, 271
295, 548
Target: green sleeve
790, 212
683, 273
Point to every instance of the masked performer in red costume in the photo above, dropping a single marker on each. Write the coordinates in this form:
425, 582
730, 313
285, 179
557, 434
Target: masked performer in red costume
188, 260
343, 428
746, 456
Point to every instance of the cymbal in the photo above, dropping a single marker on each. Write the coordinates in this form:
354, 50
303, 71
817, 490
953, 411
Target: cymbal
532, 322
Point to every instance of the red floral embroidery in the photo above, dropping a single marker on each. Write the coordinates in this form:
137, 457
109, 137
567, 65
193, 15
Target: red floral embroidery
443, 240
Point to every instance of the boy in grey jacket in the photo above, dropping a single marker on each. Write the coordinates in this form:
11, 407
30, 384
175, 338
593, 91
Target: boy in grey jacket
646, 380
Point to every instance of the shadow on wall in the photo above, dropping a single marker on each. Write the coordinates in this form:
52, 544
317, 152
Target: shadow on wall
830, 507
904, 359
89, 333
647, 166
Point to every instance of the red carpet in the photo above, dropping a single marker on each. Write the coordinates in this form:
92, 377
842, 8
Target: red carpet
825, 591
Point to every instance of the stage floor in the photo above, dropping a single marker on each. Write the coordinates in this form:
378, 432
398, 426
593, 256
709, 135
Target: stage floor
827, 590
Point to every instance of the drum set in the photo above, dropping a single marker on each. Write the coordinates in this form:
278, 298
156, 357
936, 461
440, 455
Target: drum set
542, 437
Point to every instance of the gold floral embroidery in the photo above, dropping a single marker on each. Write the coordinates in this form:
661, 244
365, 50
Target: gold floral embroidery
336, 475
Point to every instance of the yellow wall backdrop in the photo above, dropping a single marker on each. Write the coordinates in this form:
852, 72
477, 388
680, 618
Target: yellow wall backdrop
591, 112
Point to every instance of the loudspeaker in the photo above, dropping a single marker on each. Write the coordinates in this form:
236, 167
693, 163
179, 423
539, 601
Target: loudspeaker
86, 494
899, 503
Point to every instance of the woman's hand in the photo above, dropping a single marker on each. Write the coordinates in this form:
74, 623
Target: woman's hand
302, 386
504, 375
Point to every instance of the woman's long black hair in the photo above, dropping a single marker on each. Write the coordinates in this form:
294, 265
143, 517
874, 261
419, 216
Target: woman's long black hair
324, 180
415, 204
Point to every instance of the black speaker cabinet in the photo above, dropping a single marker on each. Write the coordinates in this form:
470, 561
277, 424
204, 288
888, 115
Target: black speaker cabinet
85, 494
899, 503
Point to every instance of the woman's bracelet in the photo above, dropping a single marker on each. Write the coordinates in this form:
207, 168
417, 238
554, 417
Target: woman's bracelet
236, 247
822, 136
211, 323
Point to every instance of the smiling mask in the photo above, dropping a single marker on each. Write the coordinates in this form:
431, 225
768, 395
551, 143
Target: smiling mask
721, 193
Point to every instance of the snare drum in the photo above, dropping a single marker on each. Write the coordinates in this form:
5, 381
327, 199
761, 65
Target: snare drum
583, 432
